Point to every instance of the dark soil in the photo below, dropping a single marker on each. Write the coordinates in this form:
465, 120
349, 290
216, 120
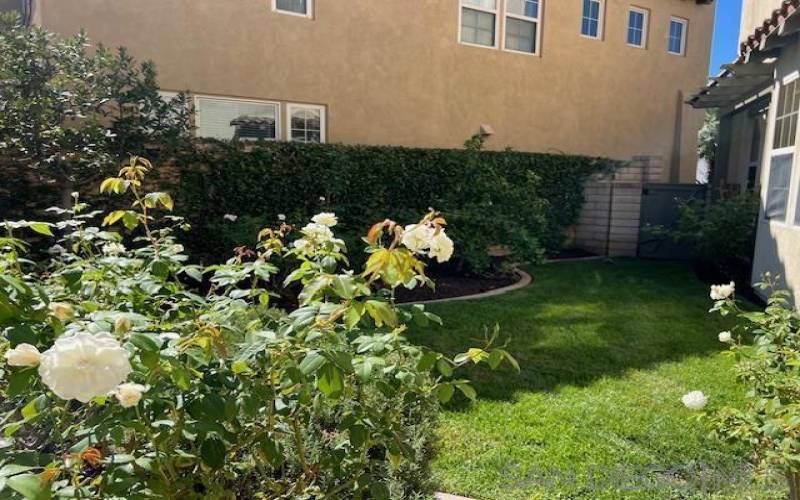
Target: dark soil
450, 286
572, 253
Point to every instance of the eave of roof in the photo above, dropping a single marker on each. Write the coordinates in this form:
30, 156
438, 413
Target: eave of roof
753, 69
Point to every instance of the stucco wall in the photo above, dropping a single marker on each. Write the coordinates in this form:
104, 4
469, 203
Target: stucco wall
754, 12
778, 243
393, 72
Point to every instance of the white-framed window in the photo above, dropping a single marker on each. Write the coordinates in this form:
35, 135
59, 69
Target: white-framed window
302, 8
306, 123
676, 39
478, 20
592, 19
638, 20
521, 23
783, 146
232, 118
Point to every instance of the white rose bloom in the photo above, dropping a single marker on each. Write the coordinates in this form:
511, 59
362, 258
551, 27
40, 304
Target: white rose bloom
722, 292
725, 337
113, 248
695, 400
23, 355
317, 233
230, 217
129, 394
301, 244
326, 219
441, 247
417, 237
84, 366
281, 217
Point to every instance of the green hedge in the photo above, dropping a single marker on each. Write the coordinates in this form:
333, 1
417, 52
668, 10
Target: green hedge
517, 199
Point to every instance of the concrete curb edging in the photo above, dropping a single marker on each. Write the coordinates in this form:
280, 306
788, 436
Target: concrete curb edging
525, 279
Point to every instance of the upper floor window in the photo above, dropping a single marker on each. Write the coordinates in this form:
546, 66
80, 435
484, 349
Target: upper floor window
306, 123
637, 27
225, 118
302, 8
479, 22
592, 21
676, 42
522, 26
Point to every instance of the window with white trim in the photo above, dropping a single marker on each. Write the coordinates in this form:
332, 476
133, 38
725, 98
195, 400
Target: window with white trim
227, 118
479, 22
302, 8
676, 40
306, 123
637, 27
592, 19
783, 145
522, 26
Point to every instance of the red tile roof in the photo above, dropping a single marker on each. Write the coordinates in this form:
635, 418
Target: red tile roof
768, 27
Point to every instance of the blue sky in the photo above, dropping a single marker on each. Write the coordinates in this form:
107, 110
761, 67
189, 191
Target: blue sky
726, 33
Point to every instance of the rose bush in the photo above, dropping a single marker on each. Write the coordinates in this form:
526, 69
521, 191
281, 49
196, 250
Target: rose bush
766, 347
121, 379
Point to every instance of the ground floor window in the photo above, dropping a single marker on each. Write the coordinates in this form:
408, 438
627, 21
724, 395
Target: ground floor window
306, 123
780, 174
297, 7
226, 118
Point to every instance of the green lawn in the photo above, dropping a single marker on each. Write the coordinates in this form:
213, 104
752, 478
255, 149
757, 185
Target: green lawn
607, 349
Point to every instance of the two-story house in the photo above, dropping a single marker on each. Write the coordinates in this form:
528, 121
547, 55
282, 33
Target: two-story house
594, 77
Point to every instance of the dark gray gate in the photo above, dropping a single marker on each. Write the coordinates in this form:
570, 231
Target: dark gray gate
660, 208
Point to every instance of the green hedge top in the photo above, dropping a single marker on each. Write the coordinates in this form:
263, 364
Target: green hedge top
521, 200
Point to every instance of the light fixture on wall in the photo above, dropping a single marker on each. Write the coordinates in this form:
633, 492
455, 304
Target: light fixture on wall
486, 130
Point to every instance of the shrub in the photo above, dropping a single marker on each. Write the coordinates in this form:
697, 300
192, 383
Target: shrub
68, 113
521, 200
146, 388
722, 235
766, 347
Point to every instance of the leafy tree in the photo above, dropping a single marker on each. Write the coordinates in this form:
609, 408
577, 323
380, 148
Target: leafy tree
69, 112
708, 140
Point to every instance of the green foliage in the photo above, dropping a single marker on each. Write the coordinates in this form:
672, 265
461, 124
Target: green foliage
516, 199
766, 347
226, 394
724, 234
708, 139
68, 112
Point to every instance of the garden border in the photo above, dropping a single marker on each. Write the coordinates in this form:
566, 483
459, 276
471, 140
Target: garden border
525, 279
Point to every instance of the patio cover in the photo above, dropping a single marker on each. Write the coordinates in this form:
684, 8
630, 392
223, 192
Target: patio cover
753, 71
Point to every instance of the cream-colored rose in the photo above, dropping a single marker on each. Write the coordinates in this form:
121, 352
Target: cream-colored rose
129, 394
417, 237
326, 219
84, 366
725, 337
695, 400
123, 324
23, 355
722, 292
441, 247
61, 311
317, 233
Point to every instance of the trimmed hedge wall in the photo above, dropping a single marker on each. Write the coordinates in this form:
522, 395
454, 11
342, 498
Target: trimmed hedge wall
517, 199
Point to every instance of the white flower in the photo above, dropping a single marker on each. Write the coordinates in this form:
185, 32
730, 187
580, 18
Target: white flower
61, 311
281, 217
695, 400
317, 233
441, 247
417, 237
113, 248
230, 217
725, 337
84, 366
23, 355
177, 248
301, 244
129, 394
325, 219
722, 292
322, 199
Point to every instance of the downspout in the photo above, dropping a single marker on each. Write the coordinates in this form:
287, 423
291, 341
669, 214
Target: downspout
675, 164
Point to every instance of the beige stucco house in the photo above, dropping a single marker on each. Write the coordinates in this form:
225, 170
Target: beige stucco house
759, 98
596, 77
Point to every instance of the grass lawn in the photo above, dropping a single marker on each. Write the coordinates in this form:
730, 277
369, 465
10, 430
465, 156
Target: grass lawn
607, 349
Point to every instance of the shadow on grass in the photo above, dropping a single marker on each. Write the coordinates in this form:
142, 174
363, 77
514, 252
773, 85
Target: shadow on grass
583, 321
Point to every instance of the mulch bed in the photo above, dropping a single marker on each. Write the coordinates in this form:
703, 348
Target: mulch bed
451, 286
